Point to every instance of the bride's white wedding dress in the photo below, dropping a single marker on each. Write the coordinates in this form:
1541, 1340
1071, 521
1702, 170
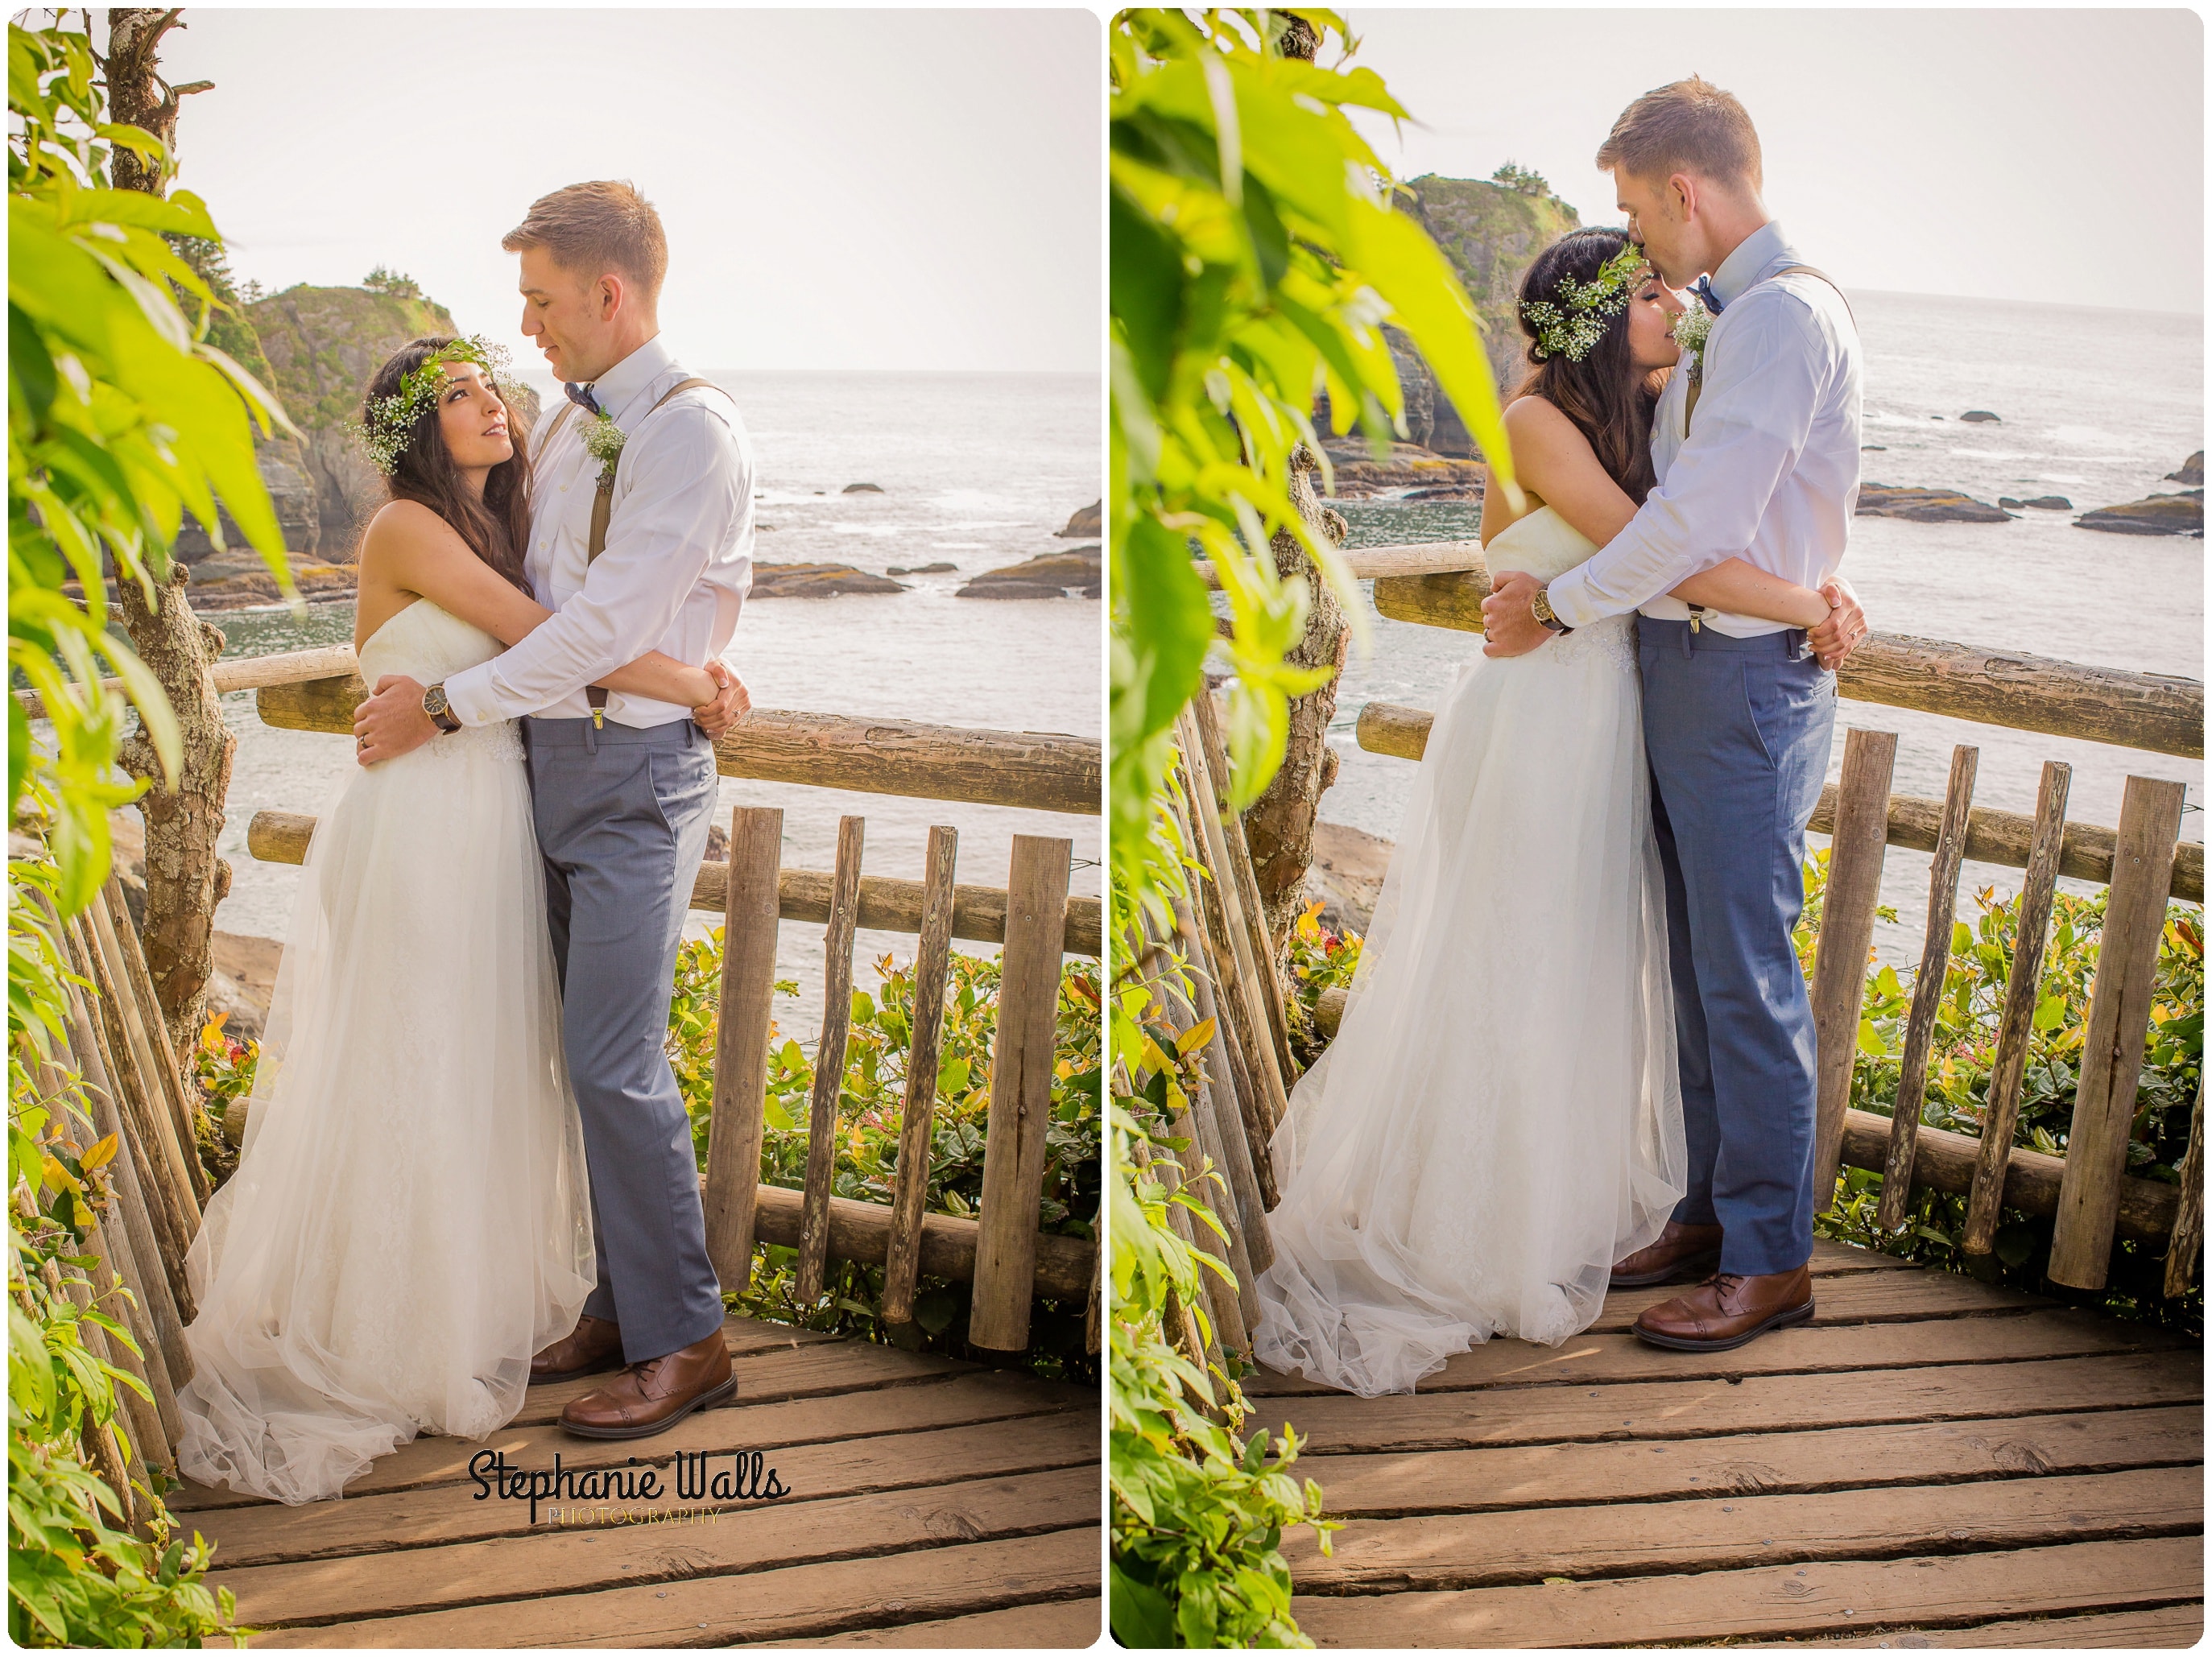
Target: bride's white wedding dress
410, 1220
1500, 1118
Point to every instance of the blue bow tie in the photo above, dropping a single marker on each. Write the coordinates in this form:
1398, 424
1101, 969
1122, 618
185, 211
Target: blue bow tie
582, 398
1703, 287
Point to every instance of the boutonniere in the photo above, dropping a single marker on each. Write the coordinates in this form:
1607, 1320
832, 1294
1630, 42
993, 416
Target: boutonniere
1690, 331
603, 441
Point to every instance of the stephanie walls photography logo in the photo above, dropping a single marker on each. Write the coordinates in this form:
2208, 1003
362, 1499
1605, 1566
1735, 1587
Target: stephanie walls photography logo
631, 1493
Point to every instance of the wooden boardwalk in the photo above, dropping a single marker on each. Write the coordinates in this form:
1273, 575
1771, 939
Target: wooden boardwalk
932, 1503
1929, 1462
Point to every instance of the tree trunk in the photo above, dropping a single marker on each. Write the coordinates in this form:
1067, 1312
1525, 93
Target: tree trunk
184, 878
1279, 824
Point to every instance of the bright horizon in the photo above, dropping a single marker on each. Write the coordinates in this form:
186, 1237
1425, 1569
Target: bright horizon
2051, 157
843, 190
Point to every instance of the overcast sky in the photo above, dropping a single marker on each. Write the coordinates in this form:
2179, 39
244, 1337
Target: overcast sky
872, 190
2048, 156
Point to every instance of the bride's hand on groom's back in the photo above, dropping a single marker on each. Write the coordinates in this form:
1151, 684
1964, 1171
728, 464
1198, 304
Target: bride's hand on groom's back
1835, 638
732, 704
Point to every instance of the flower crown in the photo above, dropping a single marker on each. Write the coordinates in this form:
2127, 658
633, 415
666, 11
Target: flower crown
1573, 328
387, 423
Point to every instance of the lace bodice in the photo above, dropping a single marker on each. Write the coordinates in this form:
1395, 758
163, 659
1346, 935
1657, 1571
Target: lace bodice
428, 643
1545, 545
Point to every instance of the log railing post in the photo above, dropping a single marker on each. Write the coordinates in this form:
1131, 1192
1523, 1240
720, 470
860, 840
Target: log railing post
2016, 1023
739, 1124
1021, 1092
829, 1063
1839, 965
1928, 988
2112, 1045
932, 964
2188, 1234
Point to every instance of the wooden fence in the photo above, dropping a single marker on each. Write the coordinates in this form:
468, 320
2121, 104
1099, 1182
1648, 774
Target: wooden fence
1001, 1252
2089, 1191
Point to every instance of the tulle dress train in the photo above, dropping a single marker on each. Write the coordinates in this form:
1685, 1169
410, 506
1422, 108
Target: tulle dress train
1500, 1117
410, 1219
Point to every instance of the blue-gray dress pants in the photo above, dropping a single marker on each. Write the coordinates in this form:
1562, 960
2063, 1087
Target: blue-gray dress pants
1737, 732
622, 815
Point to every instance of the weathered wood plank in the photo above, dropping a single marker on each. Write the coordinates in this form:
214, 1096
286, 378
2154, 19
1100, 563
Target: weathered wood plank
269, 1533
1771, 1601
1731, 1532
2112, 1043
1853, 1297
973, 1395
918, 1109
1841, 958
862, 1231
738, 1123
920, 1585
1692, 1408
1057, 1624
1992, 836
2167, 1627
1021, 1094
1836, 1460
1945, 1160
2188, 1238
1247, 883
2153, 711
1039, 771
1927, 989
1837, 1348
829, 1063
559, 1561
2016, 1023
887, 904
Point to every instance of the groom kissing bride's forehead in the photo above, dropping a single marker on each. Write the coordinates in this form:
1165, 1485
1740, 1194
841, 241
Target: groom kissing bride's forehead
1603, 847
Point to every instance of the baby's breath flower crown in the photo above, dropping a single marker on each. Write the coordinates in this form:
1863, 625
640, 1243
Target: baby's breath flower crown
1573, 328
387, 423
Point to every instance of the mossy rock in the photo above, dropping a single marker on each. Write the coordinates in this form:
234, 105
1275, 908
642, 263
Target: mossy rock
2157, 514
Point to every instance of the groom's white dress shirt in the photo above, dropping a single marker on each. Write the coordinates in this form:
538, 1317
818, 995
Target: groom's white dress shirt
679, 559
1770, 471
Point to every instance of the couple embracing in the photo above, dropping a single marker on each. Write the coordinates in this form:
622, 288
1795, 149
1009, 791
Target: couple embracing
1578, 1051
468, 1167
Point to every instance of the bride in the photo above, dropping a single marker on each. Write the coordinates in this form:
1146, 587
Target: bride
410, 1221
1498, 1119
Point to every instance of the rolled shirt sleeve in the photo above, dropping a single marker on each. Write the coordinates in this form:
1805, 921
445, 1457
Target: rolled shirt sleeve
685, 481
1753, 417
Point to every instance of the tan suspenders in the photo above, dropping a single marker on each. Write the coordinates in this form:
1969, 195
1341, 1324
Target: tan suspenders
1690, 403
603, 500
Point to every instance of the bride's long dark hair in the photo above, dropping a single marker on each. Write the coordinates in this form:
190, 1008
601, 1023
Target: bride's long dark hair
496, 527
1607, 396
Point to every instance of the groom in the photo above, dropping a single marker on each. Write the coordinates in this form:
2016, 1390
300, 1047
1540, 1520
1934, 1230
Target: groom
1737, 713
622, 786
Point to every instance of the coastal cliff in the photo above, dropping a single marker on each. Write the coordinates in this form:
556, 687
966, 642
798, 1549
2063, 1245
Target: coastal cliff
1491, 231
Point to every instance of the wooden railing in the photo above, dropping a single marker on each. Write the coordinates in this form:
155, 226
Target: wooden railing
1001, 1252
2088, 1191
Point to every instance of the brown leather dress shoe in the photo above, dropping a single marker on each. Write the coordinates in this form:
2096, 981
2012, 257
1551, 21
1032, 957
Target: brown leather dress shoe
591, 1348
1682, 1253
654, 1394
1727, 1310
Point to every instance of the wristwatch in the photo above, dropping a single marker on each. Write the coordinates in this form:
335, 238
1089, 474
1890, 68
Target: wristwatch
1541, 605
434, 704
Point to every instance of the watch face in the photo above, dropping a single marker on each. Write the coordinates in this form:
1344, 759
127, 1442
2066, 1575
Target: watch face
434, 701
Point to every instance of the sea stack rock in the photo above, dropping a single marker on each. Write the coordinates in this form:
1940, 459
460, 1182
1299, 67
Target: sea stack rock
1926, 506
1077, 571
2156, 514
816, 581
2191, 472
1087, 520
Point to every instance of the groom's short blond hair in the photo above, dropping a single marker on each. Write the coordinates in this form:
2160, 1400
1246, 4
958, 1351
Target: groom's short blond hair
590, 229
1691, 126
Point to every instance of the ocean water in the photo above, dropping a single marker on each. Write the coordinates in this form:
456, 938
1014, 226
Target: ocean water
976, 469
2095, 405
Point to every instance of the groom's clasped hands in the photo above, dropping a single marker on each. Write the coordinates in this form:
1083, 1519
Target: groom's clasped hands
1511, 628
392, 721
